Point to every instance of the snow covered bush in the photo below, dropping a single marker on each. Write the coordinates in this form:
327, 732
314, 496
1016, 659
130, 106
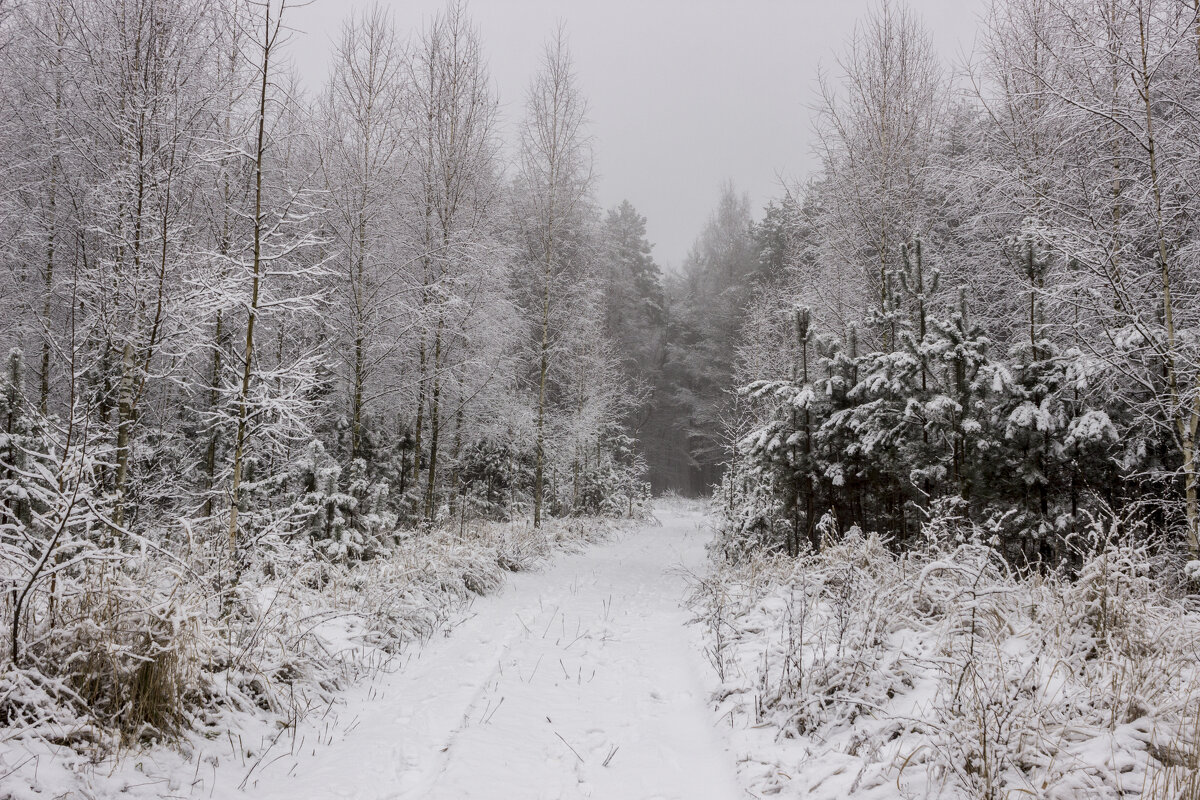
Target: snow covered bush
344, 518
941, 670
98, 619
496, 477
612, 480
753, 515
1029, 443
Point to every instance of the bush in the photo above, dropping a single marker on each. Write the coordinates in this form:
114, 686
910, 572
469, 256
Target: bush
943, 666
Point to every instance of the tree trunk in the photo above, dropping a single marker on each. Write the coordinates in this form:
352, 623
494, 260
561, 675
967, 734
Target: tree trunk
239, 452
124, 425
421, 385
434, 422
1185, 417
358, 291
214, 399
544, 367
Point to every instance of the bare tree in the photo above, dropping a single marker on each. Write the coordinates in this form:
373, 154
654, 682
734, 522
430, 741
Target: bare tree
555, 181
363, 161
272, 275
877, 124
454, 189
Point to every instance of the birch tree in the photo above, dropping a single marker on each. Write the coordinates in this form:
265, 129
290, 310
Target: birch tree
271, 280
554, 182
454, 192
363, 162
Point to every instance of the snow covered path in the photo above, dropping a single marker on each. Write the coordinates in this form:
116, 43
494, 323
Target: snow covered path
577, 681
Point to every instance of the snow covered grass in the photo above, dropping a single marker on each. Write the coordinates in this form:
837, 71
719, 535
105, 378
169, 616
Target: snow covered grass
148, 668
942, 672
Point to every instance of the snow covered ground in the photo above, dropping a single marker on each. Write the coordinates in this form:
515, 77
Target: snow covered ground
941, 672
578, 680
854, 673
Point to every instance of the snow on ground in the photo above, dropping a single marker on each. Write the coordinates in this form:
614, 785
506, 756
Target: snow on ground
942, 673
578, 680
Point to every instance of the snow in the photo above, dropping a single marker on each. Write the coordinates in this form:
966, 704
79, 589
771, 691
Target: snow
840, 675
860, 673
579, 680
530, 694
1092, 426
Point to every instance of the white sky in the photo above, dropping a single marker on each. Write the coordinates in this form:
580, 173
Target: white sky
683, 93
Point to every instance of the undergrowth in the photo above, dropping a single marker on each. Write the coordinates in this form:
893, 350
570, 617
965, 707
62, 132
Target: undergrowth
940, 670
154, 650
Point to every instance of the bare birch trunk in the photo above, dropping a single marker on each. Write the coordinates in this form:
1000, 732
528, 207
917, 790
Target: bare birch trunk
239, 453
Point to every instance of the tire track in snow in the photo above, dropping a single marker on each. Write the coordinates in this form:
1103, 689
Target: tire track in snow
418, 782
578, 681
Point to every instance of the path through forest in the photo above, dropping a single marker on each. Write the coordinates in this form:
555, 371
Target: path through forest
580, 680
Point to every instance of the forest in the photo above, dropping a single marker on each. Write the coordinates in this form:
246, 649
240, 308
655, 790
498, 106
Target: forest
957, 520
988, 306
293, 374
253, 331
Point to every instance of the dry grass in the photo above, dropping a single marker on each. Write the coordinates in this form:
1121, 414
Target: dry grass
943, 670
148, 648
1174, 772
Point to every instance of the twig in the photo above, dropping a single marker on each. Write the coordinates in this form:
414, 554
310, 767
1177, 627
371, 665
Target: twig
568, 744
494, 710
535, 669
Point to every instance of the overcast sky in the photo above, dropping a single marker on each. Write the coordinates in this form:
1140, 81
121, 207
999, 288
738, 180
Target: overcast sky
683, 93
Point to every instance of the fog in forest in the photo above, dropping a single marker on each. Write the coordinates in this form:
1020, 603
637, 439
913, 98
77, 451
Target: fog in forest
828, 373
682, 94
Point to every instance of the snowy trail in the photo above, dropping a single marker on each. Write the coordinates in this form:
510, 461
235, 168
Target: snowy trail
584, 662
